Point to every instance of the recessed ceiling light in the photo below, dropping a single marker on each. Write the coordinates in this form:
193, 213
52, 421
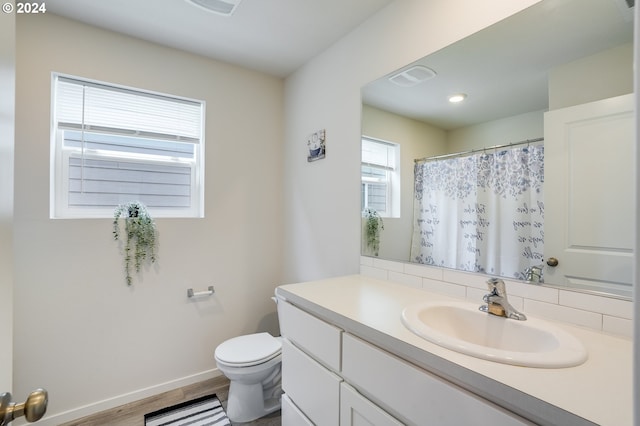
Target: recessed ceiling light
221, 7
458, 97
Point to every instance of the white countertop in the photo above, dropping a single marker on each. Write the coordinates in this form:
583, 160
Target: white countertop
599, 391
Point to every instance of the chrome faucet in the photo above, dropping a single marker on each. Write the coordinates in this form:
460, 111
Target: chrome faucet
534, 274
497, 302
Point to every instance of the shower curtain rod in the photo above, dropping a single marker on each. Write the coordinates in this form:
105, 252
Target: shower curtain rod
460, 154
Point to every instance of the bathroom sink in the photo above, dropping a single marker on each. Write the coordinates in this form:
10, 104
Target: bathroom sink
461, 327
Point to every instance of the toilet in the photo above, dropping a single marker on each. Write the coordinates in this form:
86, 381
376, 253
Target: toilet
252, 363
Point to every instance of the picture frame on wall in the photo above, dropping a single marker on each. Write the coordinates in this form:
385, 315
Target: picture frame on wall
316, 144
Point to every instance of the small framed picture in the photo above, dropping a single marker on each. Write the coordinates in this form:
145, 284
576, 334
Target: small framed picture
316, 145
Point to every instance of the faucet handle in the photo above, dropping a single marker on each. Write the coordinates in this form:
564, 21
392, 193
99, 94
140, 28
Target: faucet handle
497, 287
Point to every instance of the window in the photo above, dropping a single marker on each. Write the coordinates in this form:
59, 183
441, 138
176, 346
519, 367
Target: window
111, 145
380, 177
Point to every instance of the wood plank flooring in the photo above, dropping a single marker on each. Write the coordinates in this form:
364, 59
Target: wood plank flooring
132, 414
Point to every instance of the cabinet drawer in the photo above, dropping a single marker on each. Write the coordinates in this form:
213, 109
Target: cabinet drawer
291, 415
312, 388
316, 337
413, 395
356, 410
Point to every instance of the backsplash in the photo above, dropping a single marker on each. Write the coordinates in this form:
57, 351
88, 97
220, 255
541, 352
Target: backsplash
601, 313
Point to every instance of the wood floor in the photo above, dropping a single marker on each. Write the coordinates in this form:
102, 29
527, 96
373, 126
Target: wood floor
132, 414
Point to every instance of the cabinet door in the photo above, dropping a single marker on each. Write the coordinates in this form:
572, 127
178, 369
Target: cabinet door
311, 387
291, 415
589, 194
356, 410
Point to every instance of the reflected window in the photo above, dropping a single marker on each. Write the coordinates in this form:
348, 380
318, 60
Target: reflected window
380, 176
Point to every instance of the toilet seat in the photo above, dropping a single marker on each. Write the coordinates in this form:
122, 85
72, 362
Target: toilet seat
248, 350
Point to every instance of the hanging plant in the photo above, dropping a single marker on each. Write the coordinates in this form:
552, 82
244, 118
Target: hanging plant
373, 226
139, 235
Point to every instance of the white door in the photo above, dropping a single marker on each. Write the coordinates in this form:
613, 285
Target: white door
589, 197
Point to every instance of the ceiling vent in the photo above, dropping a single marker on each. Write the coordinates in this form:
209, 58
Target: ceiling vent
412, 76
221, 7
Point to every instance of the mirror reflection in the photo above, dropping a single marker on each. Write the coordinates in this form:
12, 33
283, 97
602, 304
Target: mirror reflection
553, 81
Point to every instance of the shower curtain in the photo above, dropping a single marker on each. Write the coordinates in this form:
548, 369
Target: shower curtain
481, 213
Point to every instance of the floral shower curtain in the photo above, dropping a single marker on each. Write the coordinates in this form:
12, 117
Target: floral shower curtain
481, 213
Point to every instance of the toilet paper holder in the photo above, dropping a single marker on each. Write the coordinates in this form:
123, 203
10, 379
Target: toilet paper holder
208, 292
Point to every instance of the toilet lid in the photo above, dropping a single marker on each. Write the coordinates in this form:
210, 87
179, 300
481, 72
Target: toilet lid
252, 348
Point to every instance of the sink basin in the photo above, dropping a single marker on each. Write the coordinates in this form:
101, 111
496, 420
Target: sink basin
461, 327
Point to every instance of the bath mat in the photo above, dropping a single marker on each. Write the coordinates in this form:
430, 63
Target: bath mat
203, 411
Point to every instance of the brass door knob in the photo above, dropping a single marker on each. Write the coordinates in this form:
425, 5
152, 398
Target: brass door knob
552, 261
32, 409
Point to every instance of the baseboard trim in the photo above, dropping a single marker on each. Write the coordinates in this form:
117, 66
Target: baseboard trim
116, 401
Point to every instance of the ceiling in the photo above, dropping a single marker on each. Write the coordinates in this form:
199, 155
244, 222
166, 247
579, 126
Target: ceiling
504, 69
271, 36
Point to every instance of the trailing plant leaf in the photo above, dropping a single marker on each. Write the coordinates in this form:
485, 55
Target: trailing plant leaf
373, 225
139, 235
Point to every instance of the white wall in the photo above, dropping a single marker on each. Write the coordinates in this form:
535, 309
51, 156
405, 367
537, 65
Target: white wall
80, 332
7, 131
322, 199
506, 130
567, 82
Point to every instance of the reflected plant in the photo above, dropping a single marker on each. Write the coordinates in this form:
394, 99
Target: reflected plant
139, 235
373, 226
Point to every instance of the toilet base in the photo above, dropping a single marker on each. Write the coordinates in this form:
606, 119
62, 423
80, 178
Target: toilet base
246, 402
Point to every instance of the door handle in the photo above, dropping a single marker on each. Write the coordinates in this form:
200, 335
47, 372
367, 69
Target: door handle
32, 409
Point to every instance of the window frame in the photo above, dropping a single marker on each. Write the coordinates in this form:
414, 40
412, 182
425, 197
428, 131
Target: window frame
392, 180
61, 157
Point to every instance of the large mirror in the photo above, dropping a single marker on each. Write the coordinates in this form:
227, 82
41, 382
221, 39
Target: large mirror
522, 79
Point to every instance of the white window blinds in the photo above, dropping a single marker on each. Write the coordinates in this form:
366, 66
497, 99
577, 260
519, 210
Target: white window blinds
379, 154
124, 111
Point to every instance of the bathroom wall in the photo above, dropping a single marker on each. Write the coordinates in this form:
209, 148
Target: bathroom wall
322, 199
7, 130
80, 332
566, 82
520, 127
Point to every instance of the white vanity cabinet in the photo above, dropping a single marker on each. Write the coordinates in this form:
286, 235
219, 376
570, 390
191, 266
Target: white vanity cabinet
331, 377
